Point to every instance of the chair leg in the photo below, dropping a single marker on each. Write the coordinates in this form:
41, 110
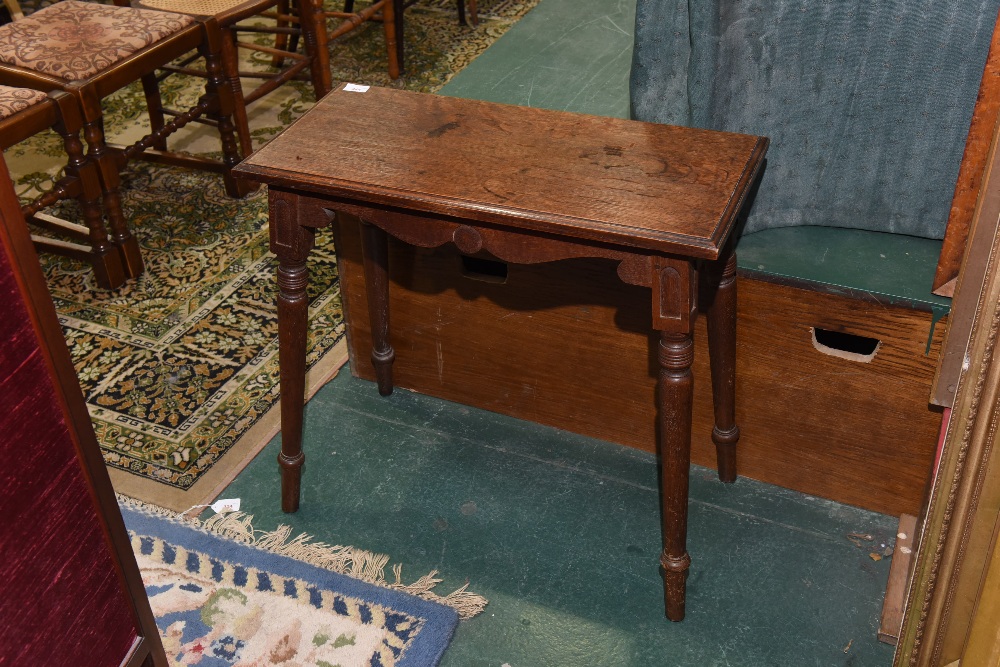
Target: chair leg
231, 67
293, 43
473, 12
281, 39
218, 99
105, 258
390, 26
398, 8
154, 107
312, 20
14, 9
106, 164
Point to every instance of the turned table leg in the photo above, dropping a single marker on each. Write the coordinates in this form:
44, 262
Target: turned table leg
722, 352
293, 315
291, 242
675, 302
375, 252
676, 352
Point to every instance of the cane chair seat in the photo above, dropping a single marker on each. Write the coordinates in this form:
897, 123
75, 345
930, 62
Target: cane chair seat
74, 40
217, 8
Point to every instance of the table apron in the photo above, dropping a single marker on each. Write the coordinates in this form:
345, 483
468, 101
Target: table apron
673, 280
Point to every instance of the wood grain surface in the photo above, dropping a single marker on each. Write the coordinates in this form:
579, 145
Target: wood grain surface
568, 345
656, 187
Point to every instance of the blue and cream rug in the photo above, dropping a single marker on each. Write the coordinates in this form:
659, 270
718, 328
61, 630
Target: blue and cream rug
226, 595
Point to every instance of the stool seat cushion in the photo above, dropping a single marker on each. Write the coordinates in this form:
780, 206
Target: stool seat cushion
75, 40
13, 100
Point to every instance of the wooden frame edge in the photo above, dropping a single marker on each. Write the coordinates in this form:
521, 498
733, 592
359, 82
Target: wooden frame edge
17, 245
961, 507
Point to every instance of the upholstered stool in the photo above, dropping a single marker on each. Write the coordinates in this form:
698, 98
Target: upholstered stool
24, 113
91, 50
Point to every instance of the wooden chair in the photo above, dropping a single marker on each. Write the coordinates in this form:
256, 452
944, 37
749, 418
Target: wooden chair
23, 114
399, 6
391, 14
90, 51
391, 17
351, 20
305, 21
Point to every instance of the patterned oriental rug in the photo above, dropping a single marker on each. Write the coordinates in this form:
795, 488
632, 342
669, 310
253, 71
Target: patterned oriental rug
226, 595
179, 367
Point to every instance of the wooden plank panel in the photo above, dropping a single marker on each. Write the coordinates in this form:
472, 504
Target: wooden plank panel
899, 576
568, 345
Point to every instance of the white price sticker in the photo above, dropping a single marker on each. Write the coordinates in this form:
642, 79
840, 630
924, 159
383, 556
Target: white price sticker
228, 505
356, 88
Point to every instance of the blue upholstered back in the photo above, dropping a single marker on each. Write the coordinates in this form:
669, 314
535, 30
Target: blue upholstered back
867, 102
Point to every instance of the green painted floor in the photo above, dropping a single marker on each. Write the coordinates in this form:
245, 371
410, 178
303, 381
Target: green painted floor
561, 532
567, 55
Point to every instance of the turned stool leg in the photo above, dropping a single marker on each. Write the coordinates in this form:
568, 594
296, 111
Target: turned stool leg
283, 9
389, 20
375, 250
676, 353
104, 256
312, 23
231, 68
398, 7
722, 352
154, 107
107, 166
219, 101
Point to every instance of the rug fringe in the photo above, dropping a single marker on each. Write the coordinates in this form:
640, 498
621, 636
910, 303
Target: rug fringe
358, 563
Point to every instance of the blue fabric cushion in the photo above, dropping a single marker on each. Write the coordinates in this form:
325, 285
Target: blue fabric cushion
867, 102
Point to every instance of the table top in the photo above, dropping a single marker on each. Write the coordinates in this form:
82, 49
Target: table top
654, 187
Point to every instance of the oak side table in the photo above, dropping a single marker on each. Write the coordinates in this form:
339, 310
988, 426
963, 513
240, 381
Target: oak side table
520, 185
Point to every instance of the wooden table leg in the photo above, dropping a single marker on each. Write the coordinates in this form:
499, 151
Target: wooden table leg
291, 242
675, 303
375, 252
676, 352
722, 352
